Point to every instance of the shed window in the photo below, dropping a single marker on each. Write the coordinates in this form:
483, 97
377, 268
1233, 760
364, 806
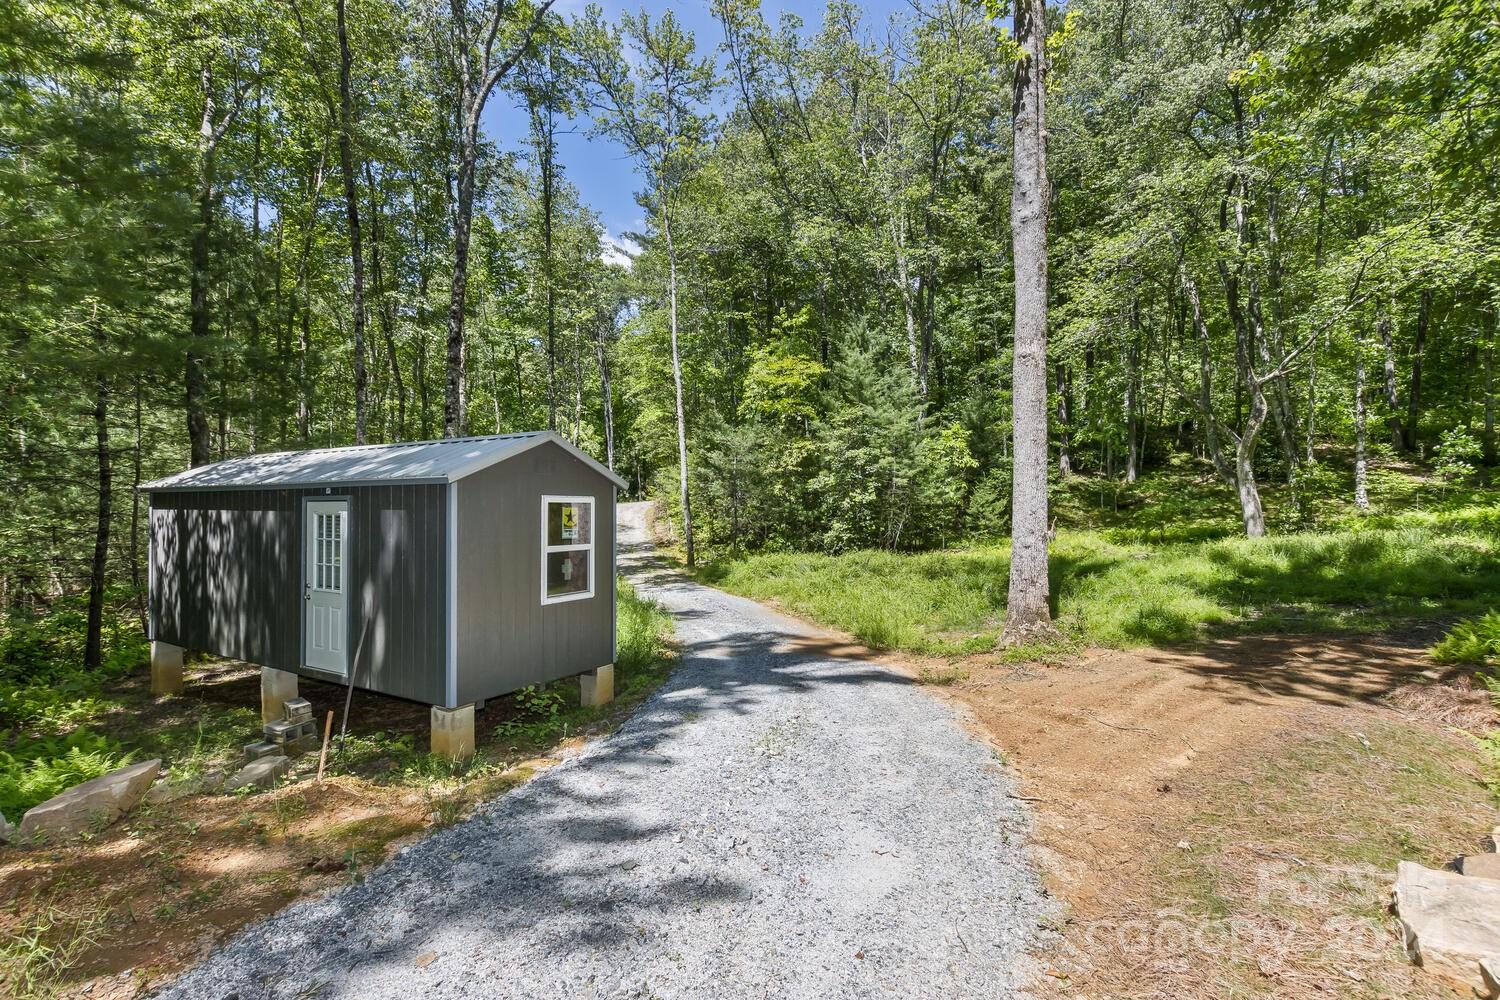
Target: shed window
328, 560
567, 549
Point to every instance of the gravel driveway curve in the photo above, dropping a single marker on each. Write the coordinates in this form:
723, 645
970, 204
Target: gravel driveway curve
777, 821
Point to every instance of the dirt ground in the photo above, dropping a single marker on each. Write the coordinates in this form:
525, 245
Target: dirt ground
130, 907
1219, 822
1225, 822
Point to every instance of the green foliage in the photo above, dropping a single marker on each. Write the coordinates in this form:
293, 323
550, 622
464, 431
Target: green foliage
37, 959
642, 628
1132, 594
32, 771
1458, 454
781, 386
48, 701
1475, 641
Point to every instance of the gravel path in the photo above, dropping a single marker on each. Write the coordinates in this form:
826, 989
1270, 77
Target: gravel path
775, 822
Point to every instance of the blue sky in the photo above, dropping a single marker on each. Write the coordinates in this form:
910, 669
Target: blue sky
605, 178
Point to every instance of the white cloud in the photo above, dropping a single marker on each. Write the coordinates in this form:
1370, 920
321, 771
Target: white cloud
620, 250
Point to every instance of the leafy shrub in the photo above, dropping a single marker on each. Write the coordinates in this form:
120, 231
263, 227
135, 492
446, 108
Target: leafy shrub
1458, 455
539, 702
1475, 641
34, 771
639, 629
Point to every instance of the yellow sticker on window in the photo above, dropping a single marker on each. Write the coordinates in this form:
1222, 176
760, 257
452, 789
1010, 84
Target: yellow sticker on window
569, 522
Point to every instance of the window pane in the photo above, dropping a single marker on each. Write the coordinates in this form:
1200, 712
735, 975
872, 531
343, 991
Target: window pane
570, 523
567, 573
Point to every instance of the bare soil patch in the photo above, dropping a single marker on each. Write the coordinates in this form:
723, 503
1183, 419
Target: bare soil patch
130, 907
1225, 822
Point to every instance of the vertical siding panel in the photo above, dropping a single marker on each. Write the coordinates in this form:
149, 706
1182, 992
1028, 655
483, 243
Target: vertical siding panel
509, 638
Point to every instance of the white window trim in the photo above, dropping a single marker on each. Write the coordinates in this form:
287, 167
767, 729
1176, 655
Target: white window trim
582, 595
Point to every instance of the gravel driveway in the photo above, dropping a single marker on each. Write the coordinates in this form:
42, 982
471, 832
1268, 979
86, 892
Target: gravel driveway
776, 821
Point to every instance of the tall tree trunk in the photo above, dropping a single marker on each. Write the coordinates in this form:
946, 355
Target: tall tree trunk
1252, 513
135, 518
1414, 386
1028, 612
1383, 326
454, 402
1312, 399
1489, 387
382, 304
682, 453
93, 651
606, 397
1361, 491
476, 82
419, 363
909, 306
304, 352
1064, 430
1205, 379
351, 214
254, 358
1132, 371
547, 154
196, 382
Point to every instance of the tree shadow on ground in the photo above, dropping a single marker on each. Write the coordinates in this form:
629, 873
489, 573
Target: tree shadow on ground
561, 849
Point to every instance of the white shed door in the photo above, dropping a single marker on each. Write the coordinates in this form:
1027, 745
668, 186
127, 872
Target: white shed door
325, 626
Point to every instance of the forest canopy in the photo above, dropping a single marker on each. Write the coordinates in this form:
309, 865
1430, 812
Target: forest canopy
229, 227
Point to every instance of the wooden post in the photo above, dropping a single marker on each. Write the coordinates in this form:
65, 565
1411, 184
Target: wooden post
323, 754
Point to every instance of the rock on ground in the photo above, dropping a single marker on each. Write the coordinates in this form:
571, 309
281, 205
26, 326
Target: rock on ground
777, 821
260, 773
1451, 923
1480, 865
92, 805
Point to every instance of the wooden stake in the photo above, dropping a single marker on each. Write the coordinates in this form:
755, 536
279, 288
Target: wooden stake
323, 754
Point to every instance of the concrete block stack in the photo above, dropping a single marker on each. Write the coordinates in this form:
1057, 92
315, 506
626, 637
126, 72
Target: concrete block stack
295, 732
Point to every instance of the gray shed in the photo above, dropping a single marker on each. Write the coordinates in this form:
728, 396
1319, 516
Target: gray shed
445, 572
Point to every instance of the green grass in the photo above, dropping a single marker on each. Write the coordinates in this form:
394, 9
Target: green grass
1111, 591
61, 724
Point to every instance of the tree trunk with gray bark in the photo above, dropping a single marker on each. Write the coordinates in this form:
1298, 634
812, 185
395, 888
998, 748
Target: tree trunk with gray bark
1028, 614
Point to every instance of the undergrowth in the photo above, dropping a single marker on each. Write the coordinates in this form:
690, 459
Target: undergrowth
1125, 595
36, 959
47, 700
1476, 642
61, 724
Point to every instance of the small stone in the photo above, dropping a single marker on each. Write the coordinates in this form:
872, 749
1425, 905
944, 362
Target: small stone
260, 773
1183, 845
631, 865
425, 959
91, 805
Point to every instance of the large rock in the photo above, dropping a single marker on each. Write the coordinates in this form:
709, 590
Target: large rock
92, 805
7, 830
1451, 924
1480, 865
260, 773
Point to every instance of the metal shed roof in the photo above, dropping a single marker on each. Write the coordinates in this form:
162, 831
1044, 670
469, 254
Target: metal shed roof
443, 461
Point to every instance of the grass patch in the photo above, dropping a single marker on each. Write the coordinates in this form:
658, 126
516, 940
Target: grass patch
36, 960
1108, 594
1287, 886
98, 900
